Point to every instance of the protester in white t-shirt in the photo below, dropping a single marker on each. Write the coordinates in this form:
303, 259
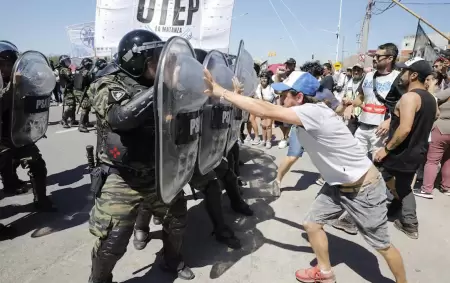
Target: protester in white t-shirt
265, 92
353, 183
374, 126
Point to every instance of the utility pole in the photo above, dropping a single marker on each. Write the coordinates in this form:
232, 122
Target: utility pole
338, 31
343, 48
365, 32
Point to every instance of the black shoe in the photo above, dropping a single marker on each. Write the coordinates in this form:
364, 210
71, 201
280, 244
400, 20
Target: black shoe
6, 232
83, 129
157, 220
226, 236
141, 239
23, 188
242, 208
183, 271
65, 124
346, 226
411, 230
45, 205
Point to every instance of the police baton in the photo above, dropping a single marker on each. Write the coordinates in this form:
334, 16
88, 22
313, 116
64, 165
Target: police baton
90, 157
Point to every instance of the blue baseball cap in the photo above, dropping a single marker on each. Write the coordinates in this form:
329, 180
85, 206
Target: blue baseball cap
299, 81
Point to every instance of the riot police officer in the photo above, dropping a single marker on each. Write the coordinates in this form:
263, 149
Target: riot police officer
28, 156
123, 103
83, 77
67, 83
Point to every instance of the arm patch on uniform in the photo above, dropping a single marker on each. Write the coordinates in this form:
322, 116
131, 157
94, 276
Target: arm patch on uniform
117, 95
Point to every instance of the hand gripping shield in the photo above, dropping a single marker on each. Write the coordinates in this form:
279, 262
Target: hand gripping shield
244, 71
216, 115
178, 104
32, 84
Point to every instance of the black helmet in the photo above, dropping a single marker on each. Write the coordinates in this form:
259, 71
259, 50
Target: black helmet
101, 64
65, 61
135, 48
87, 63
8, 51
200, 54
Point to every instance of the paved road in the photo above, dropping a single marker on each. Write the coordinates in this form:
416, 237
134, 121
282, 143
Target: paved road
54, 248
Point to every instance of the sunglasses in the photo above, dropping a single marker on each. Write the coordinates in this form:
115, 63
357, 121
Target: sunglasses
378, 56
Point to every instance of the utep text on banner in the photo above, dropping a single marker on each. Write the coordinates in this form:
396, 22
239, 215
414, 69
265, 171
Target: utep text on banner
82, 41
205, 23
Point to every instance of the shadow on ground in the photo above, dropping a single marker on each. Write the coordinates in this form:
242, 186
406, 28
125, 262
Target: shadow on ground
67, 177
73, 203
304, 182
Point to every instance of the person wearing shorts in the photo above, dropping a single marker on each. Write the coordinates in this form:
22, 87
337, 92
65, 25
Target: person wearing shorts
354, 184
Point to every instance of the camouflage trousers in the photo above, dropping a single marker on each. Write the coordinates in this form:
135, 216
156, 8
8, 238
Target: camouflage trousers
70, 104
85, 103
114, 215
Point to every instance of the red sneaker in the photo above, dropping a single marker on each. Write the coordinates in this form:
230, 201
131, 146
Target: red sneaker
314, 275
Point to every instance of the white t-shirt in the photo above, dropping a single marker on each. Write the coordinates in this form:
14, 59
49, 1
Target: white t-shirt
266, 94
330, 145
374, 112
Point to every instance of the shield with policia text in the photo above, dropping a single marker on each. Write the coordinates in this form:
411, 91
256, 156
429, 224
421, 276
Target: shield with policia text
216, 115
178, 104
245, 72
33, 82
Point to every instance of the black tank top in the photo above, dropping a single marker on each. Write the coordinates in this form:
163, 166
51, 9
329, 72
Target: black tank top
409, 155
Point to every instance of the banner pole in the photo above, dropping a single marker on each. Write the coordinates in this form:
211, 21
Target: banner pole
421, 19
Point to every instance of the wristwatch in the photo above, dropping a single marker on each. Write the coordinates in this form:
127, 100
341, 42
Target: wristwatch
386, 149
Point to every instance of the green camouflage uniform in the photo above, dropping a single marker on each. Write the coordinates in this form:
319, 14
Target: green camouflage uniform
114, 214
66, 81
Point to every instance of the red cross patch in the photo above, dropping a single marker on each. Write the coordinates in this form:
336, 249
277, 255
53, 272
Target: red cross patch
115, 152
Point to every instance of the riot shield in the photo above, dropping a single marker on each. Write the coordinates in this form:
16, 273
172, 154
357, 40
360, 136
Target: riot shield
216, 116
179, 100
33, 83
244, 71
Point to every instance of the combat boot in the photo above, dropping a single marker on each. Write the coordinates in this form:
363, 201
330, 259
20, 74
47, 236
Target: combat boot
82, 126
226, 236
18, 189
44, 205
65, 124
183, 271
141, 239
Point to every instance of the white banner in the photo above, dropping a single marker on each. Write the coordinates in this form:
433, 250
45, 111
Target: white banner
205, 23
82, 37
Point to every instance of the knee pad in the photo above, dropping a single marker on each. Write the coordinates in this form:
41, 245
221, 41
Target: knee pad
37, 167
116, 242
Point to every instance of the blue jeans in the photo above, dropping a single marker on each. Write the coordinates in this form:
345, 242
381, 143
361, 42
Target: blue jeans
295, 147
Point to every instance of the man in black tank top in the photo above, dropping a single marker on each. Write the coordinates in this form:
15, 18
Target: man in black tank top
406, 147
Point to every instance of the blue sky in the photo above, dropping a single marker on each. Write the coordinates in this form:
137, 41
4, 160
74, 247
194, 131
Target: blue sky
40, 25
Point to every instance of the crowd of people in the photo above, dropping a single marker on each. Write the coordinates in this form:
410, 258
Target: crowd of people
368, 132
390, 110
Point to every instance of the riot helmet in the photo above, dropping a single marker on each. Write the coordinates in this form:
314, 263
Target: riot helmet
87, 63
200, 54
8, 56
135, 49
100, 64
65, 61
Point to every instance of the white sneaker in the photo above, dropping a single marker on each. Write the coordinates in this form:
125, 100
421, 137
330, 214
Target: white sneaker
248, 139
256, 141
282, 144
268, 145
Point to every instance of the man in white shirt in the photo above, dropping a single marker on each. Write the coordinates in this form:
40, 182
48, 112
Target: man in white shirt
374, 126
342, 81
353, 183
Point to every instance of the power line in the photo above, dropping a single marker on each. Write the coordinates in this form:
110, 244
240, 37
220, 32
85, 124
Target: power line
295, 17
284, 26
417, 3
